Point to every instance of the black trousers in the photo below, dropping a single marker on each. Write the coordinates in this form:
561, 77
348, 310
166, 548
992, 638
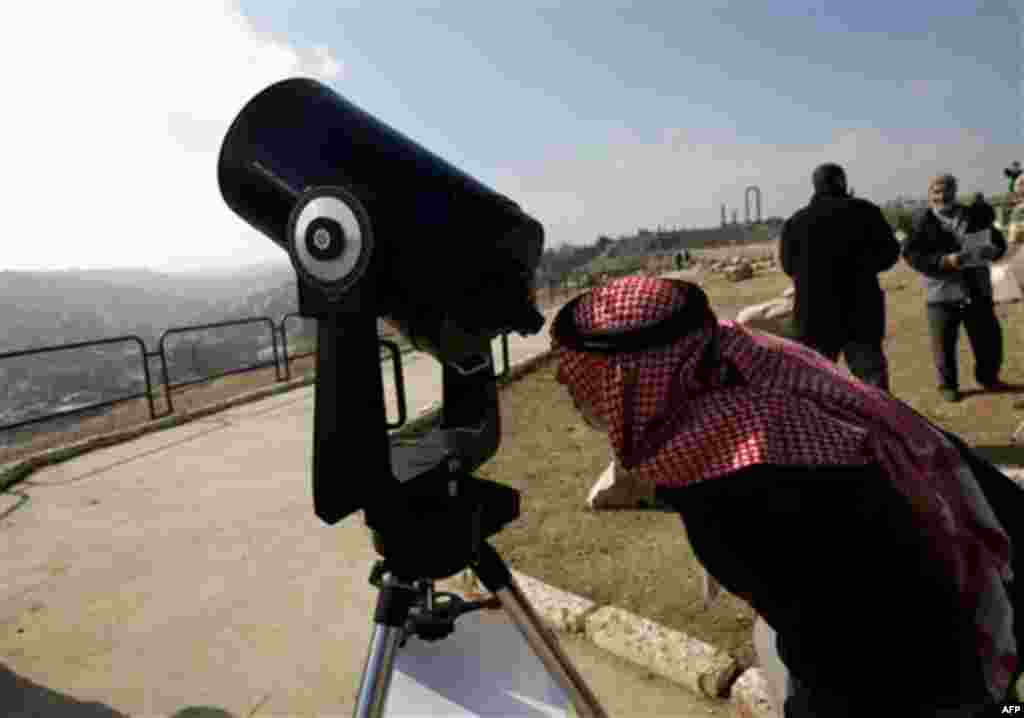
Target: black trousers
983, 331
866, 360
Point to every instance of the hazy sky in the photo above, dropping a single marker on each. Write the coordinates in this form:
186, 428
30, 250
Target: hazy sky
597, 117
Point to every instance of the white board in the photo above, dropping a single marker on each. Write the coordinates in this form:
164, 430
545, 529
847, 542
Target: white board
484, 668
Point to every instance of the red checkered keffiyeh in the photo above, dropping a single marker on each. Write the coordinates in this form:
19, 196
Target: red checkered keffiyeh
767, 400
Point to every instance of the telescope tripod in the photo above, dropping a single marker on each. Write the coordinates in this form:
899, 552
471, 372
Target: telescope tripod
406, 608
429, 517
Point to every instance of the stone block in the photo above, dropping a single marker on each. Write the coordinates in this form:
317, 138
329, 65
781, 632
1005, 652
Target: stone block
751, 697
680, 658
616, 489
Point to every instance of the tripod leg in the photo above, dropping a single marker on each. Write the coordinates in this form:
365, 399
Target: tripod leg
393, 606
494, 574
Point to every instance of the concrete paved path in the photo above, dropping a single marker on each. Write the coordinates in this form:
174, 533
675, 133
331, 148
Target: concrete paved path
186, 569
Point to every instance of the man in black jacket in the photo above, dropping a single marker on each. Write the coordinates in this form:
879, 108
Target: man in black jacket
1012, 173
957, 294
834, 249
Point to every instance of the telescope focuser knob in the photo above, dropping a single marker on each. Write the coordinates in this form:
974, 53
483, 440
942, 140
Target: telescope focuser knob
329, 240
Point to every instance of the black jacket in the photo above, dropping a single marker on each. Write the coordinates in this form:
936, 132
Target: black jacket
833, 560
930, 241
834, 249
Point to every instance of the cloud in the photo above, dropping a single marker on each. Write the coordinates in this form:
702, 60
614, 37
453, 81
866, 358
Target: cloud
113, 116
684, 177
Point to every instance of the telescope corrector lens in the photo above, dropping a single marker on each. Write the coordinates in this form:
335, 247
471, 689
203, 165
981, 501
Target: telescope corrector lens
328, 242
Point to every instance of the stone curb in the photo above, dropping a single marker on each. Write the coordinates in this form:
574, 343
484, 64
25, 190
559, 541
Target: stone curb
698, 666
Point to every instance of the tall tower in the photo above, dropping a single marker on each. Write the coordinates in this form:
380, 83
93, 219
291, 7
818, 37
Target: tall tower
723, 214
746, 200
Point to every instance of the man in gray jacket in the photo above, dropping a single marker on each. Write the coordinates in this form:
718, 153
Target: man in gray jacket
957, 294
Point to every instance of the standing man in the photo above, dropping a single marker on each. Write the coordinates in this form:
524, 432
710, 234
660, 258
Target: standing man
1012, 173
834, 249
957, 294
1015, 225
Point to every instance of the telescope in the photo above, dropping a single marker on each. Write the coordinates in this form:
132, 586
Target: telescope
377, 227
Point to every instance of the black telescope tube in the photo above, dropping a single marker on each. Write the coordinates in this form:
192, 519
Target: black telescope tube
445, 240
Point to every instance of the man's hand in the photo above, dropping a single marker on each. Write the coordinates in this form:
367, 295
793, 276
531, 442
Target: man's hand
951, 262
989, 253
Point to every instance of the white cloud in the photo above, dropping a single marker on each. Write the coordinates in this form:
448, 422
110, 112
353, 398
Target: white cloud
113, 116
683, 178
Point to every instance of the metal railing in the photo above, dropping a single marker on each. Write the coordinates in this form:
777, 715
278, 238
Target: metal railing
143, 357
169, 387
284, 343
547, 293
280, 362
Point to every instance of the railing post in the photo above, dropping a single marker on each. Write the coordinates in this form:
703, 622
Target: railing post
167, 378
149, 382
284, 343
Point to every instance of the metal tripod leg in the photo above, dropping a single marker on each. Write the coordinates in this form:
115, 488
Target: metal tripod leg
393, 607
380, 663
393, 604
499, 580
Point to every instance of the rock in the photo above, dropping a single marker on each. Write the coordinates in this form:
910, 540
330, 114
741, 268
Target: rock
769, 663
752, 313
680, 658
779, 309
615, 489
751, 696
710, 588
771, 316
740, 272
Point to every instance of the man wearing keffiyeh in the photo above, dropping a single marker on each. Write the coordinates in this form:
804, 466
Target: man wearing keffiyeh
862, 533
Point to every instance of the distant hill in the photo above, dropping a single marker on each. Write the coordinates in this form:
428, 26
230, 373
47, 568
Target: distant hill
45, 308
208, 285
557, 263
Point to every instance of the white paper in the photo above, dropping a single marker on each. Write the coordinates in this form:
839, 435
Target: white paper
484, 668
